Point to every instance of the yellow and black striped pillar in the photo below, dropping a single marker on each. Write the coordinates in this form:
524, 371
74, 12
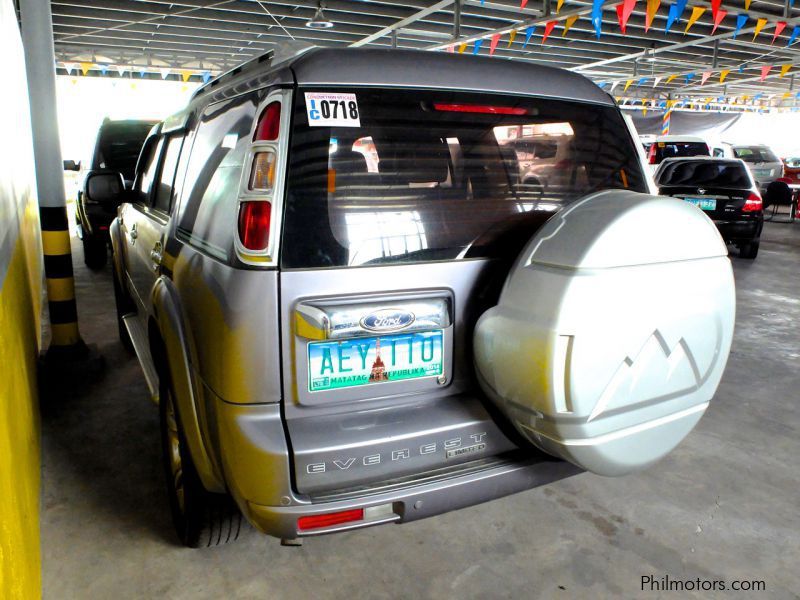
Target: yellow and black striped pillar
59, 277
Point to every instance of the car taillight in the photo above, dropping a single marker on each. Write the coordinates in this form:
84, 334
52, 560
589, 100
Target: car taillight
651, 155
254, 222
262, 173
269, 123
753, 203
330, 519
481, 108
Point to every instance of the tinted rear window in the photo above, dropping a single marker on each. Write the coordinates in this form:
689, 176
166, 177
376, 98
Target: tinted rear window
704, 173
424, 176
118, 147
754, 154
680, 149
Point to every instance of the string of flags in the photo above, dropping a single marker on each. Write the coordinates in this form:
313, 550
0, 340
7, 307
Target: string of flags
624, 9
122, 70
760, 102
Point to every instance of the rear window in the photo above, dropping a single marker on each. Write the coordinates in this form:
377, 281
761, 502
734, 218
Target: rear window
754, 154
793, 162
679, 149
118, 146
426, 174
704, 173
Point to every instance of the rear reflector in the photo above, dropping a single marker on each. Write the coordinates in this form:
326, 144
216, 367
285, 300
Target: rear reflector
481, 108
753, 203
330, 519
262, 174
269, 124
254, 221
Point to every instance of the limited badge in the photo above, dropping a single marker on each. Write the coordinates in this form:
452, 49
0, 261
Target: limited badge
332, 110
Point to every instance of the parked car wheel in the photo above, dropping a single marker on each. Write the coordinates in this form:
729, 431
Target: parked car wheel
201, 519
749, 250
95, 252
124, 306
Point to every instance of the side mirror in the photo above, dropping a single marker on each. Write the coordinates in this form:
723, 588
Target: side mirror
71, 165
104, 187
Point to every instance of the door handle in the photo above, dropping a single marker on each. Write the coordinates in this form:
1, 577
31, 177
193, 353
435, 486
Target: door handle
134, 233
156, 256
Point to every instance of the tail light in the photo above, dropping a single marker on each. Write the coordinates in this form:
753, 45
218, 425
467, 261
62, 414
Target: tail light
651, 155
481, 108
753, 203
254, 222
262, 173
330, 519
269, 124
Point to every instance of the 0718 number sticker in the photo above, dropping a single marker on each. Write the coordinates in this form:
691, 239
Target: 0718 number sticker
327, 110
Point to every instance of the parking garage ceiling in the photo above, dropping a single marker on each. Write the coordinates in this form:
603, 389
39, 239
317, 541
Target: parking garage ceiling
218, 34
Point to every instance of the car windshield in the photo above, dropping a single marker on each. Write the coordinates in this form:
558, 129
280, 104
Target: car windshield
679, 149
704, 173
754, 154
793, 162
118, 147
424, 175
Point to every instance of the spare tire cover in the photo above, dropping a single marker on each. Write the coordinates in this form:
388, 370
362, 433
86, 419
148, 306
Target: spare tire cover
612, 330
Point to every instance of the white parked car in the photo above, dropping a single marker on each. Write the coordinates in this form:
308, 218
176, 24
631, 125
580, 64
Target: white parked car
675, 146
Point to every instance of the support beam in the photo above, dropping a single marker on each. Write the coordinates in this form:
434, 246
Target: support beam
442, 4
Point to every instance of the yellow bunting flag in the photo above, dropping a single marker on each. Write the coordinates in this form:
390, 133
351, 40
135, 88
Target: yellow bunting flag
185, 75
511, 37
786, 94
462, 47
747, 4
652, 9
627, 85
759, 26
697, 12
559, 4
723, 74
569, 23
785, 69
85, 66
670, 78
644, 111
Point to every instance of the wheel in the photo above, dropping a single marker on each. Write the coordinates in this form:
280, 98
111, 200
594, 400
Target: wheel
95, 252
201, 519
749, 250
124, 306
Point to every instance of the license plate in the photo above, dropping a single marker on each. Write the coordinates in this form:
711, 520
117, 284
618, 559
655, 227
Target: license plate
374, 360
762, 172
704, 203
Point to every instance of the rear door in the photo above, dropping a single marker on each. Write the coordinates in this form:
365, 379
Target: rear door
719, 188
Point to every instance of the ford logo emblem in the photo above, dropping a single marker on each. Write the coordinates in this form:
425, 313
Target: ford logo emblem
387, 319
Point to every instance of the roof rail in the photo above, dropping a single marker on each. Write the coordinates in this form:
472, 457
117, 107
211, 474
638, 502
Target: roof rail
282, 52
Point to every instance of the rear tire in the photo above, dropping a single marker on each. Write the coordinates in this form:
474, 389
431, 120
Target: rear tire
749, 250
201, 519
124, 306
95, 252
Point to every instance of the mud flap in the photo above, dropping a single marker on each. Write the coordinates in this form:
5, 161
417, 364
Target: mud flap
612, 331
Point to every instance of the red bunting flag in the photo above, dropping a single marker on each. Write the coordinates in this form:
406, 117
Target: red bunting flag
765, 71
715, 5
620, 12
522, 4
721, 14
548, 29
450, 48
779, 27
704, 78
624, 11
493, 43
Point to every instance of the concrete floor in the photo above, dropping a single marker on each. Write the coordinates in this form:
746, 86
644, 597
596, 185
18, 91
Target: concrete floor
724, 505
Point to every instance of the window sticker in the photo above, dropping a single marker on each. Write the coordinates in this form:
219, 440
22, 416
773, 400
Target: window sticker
332, 110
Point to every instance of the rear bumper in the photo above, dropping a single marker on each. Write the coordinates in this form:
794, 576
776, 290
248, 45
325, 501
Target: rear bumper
745, 230
255, 459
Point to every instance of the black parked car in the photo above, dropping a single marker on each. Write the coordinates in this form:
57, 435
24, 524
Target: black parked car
116, 150
724, 189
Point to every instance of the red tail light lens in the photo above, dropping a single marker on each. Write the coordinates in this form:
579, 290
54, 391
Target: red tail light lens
481, 108
254, 221
337, 518
753, 203
269, 124
651, 155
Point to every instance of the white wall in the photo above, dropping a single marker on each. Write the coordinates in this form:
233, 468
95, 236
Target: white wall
779, 131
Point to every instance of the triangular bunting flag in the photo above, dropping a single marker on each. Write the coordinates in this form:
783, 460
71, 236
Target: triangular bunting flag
785, 69
616, 83
765, 71
206, 76
740, 21
493, 43
596, 17
142, 72
641, 81
477, 47
779, 27
704, 78
670, 78
793, 37
528, 33
620, 19
721, 14
548, 29
672, 16
461, 47
451, 49
559, 4
627, 85
689, 77
103, 69
511, 37
650, 13
522, 4
69, 67
741, 68
747, 4
165, 71
121, 70
186, 73
656, 81
723, 74
569, 22
759, 26
697, 12
85, 66
715, 6
627, 11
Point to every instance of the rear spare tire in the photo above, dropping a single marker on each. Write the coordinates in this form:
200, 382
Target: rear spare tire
612, 331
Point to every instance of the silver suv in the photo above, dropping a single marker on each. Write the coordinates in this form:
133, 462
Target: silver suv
350, 312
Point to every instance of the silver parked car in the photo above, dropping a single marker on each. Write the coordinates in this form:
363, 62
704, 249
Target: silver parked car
351, 312
763, 163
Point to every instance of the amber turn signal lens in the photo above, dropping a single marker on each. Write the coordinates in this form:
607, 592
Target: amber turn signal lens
262, 175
